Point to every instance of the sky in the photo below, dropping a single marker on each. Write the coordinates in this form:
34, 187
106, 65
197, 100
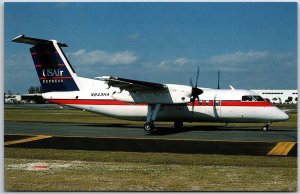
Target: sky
254, 45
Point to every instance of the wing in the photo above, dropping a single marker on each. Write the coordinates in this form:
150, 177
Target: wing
131, 85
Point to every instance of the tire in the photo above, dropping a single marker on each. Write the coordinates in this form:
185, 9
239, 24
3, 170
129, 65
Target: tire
149, 127
266, 128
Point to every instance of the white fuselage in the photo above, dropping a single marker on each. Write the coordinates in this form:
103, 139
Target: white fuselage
213, 105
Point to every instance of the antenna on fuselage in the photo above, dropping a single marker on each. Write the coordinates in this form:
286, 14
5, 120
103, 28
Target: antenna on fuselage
218, 79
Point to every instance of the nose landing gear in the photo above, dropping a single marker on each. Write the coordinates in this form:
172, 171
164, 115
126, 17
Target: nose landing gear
266, 127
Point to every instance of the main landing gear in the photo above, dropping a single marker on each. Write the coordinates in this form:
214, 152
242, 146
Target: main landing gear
153, 111
151, 117
149, 127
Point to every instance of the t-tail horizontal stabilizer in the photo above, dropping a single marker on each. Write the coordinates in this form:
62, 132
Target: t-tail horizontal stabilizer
34, 41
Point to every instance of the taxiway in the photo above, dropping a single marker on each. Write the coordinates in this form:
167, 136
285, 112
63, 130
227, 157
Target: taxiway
136, 131
207, 140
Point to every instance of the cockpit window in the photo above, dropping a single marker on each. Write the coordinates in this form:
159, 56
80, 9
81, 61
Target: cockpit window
252, 98
246, 98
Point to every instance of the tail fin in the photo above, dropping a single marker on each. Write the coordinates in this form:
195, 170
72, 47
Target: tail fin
53, 68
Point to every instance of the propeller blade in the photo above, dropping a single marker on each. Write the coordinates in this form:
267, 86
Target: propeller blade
191, 82
195, 91
197, 77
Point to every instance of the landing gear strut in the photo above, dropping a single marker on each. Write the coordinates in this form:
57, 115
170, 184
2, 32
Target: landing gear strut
266, 127
151, 117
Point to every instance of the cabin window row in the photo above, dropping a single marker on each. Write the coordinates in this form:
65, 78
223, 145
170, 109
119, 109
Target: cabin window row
205, 102
272, 93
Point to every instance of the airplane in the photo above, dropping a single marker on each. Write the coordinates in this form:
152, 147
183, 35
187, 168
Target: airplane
140, 100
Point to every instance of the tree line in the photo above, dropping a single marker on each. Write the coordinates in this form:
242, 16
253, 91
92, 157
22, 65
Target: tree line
31, 90
34, 89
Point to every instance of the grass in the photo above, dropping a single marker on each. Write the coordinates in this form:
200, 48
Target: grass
74, 170
60, 115
78, 116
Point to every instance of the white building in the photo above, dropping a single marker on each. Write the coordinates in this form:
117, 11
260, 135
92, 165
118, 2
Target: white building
12, 98
24, 98
279, 96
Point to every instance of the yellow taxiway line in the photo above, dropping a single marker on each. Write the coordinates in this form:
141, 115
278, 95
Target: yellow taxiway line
281, 149
38, 137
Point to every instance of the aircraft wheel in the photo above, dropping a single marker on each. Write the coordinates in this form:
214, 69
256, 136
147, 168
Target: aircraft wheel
178, 125
149, 127
266, 128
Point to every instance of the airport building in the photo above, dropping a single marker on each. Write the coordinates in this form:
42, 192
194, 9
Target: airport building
11, 99
24, 98
279, 96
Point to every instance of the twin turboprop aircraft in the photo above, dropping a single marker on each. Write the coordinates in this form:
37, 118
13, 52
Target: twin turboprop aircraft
139, 100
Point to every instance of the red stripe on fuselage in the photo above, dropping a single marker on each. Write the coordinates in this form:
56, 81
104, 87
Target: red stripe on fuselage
247, 103
116, 102
59, 65
35, 53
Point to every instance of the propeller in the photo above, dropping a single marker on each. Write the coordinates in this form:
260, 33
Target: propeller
195, 91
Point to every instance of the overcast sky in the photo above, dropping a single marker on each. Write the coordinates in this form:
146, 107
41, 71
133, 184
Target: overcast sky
253, 44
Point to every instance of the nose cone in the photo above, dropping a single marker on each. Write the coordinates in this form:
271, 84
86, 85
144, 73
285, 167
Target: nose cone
284, 116
281, 116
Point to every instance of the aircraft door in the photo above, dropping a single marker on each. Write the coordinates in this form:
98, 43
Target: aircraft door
217, 106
